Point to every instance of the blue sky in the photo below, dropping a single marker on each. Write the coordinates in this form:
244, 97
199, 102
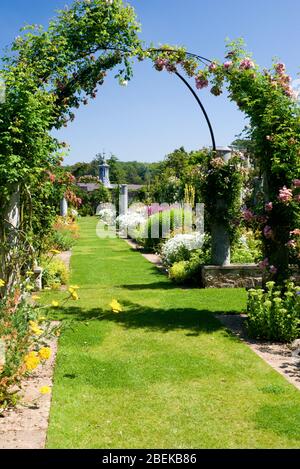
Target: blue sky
156, 114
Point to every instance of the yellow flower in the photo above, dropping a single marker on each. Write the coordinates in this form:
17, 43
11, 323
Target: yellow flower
55, 251
75, 297
29, 272
45, 390
74, 287
34, 327
115, 306
35, 297
29, 287
45, 353
31, 361
2, 283
55, 304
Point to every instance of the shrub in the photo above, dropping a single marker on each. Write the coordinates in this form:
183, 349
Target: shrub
62, 241
187, 272
55, 273
180, 247
164, 223
179, 272
273, 313
247, 250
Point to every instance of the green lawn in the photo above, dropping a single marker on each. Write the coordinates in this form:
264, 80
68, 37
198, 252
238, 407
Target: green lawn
164, 373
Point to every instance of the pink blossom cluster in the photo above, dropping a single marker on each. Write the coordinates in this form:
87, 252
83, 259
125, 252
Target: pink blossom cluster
217, 162
268, 232
248, 215
228, 64
265, 264
247, 64
295, 232
296, 182
280, 68
291, 244
52, 177
201, 82
285, 195
269, 206
284, 81
212, 67
160, 64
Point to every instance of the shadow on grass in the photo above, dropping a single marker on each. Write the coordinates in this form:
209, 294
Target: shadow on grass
163, 285
135, 316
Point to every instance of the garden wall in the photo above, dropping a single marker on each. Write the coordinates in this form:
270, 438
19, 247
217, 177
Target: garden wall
236, 276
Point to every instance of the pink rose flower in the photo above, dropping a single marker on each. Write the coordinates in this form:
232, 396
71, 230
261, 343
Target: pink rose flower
280, 68
296, 182
248, 215
295, 232
160, 64
269, 207
285, 195
247, 64
268, 232
228, 64
292, 244
264, 264
201, 83
212, 67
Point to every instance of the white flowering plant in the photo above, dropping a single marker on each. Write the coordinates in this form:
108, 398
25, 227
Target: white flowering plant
107, 215
180, 247
131, 224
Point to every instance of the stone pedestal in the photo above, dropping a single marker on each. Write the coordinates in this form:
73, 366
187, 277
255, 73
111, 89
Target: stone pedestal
63, 207
38, 273
123, 199
220, 245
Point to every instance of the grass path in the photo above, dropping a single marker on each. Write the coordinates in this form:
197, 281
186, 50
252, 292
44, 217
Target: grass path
164, 373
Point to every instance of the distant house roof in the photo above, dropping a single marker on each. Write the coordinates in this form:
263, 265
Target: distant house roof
88, 186
92, 186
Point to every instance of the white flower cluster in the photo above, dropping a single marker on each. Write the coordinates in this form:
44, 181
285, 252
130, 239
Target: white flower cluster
131, 222
173, 249
107, 215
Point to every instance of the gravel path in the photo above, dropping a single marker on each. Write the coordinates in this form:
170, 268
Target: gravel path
25, 427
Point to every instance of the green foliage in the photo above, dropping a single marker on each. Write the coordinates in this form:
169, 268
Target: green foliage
91, 200
274, 314
188, 271
47, 74
62, 241
121, 172
55, 273
247, 250
23, 331
163, 224
273, 139
221, 192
